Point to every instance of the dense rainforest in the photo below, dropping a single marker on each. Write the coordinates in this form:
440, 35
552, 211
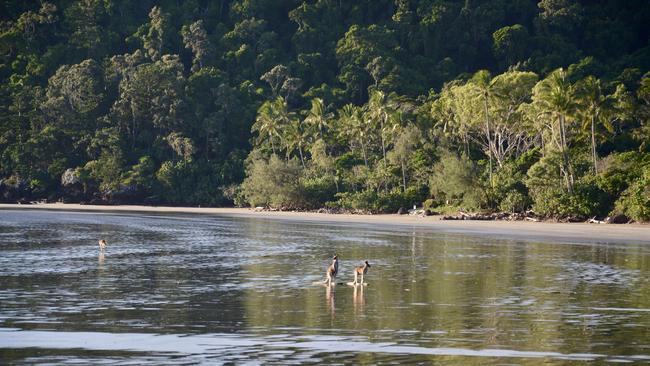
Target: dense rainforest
366, 105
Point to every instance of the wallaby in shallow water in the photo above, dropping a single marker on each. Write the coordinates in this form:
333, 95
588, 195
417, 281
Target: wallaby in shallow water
102, 244
360, 271
332, 270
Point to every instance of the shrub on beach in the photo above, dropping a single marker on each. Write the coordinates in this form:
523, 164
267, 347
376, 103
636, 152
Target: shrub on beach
379, 202
455, 180
272, 182
635, 201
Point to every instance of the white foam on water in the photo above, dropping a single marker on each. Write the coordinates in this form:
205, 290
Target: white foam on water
213, 344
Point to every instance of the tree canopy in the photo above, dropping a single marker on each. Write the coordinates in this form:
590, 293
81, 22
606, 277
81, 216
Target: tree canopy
359, 105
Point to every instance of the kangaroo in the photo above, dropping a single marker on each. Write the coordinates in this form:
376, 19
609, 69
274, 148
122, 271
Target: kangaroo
332, 270
360, 271
102, 244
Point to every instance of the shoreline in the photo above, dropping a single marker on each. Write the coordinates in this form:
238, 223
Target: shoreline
535, 231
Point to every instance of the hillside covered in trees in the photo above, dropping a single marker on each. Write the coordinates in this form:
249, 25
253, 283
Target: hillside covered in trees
367, 105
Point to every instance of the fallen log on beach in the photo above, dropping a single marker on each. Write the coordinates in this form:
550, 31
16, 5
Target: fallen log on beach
594, 221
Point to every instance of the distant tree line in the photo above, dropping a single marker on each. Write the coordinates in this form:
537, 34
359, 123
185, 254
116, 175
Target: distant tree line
357, 105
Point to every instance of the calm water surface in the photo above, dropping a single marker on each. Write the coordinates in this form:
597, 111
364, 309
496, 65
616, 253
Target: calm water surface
186, 289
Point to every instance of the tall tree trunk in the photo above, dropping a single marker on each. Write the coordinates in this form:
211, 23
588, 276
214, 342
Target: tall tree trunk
363, 150
489, 137
593, 144
403, 175
272, 144
383, 144
302, 159
565, 156
336, 182
133, 124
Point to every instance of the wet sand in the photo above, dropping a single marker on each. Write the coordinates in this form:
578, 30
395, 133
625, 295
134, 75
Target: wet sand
522, 230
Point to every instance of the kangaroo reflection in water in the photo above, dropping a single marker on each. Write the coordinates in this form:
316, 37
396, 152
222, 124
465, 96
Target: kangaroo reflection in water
100, 259
329, 300
358, 300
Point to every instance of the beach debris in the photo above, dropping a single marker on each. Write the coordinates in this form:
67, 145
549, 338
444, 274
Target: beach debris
420, 212
530, 215
502, 216
594, 221
617, 219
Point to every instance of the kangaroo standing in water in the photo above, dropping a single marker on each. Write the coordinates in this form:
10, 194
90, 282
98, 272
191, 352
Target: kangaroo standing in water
332, 270
102, 244
360, 271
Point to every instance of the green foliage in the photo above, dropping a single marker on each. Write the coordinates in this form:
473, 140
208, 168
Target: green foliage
620, 170
514, 201
405, 144
106, 171
507, 191
161, 101
430, 204
372, 201
582, 204
348, 160
316, 191
624, 179
455, 182
196, 39
142, 174
551, 200
510, 44
273, 183
635, 201
188, 183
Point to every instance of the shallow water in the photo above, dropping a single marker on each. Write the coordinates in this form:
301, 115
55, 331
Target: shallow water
185, 289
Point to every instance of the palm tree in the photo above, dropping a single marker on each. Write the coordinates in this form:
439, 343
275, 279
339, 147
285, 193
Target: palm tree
354, 127
272, 116
318, 121
317, 118
378, 111
296, 136
596, 108
554, 98
267, 124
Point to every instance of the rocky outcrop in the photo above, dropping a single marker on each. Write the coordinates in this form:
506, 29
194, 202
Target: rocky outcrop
123, 194
70, 177
72, 191
14, 189
617, 219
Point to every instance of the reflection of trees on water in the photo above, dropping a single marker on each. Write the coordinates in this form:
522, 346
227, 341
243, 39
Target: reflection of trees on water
179, 278
257, 274
482, 291
155, 274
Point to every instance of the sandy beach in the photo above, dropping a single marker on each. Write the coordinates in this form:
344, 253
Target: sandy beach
542, 231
